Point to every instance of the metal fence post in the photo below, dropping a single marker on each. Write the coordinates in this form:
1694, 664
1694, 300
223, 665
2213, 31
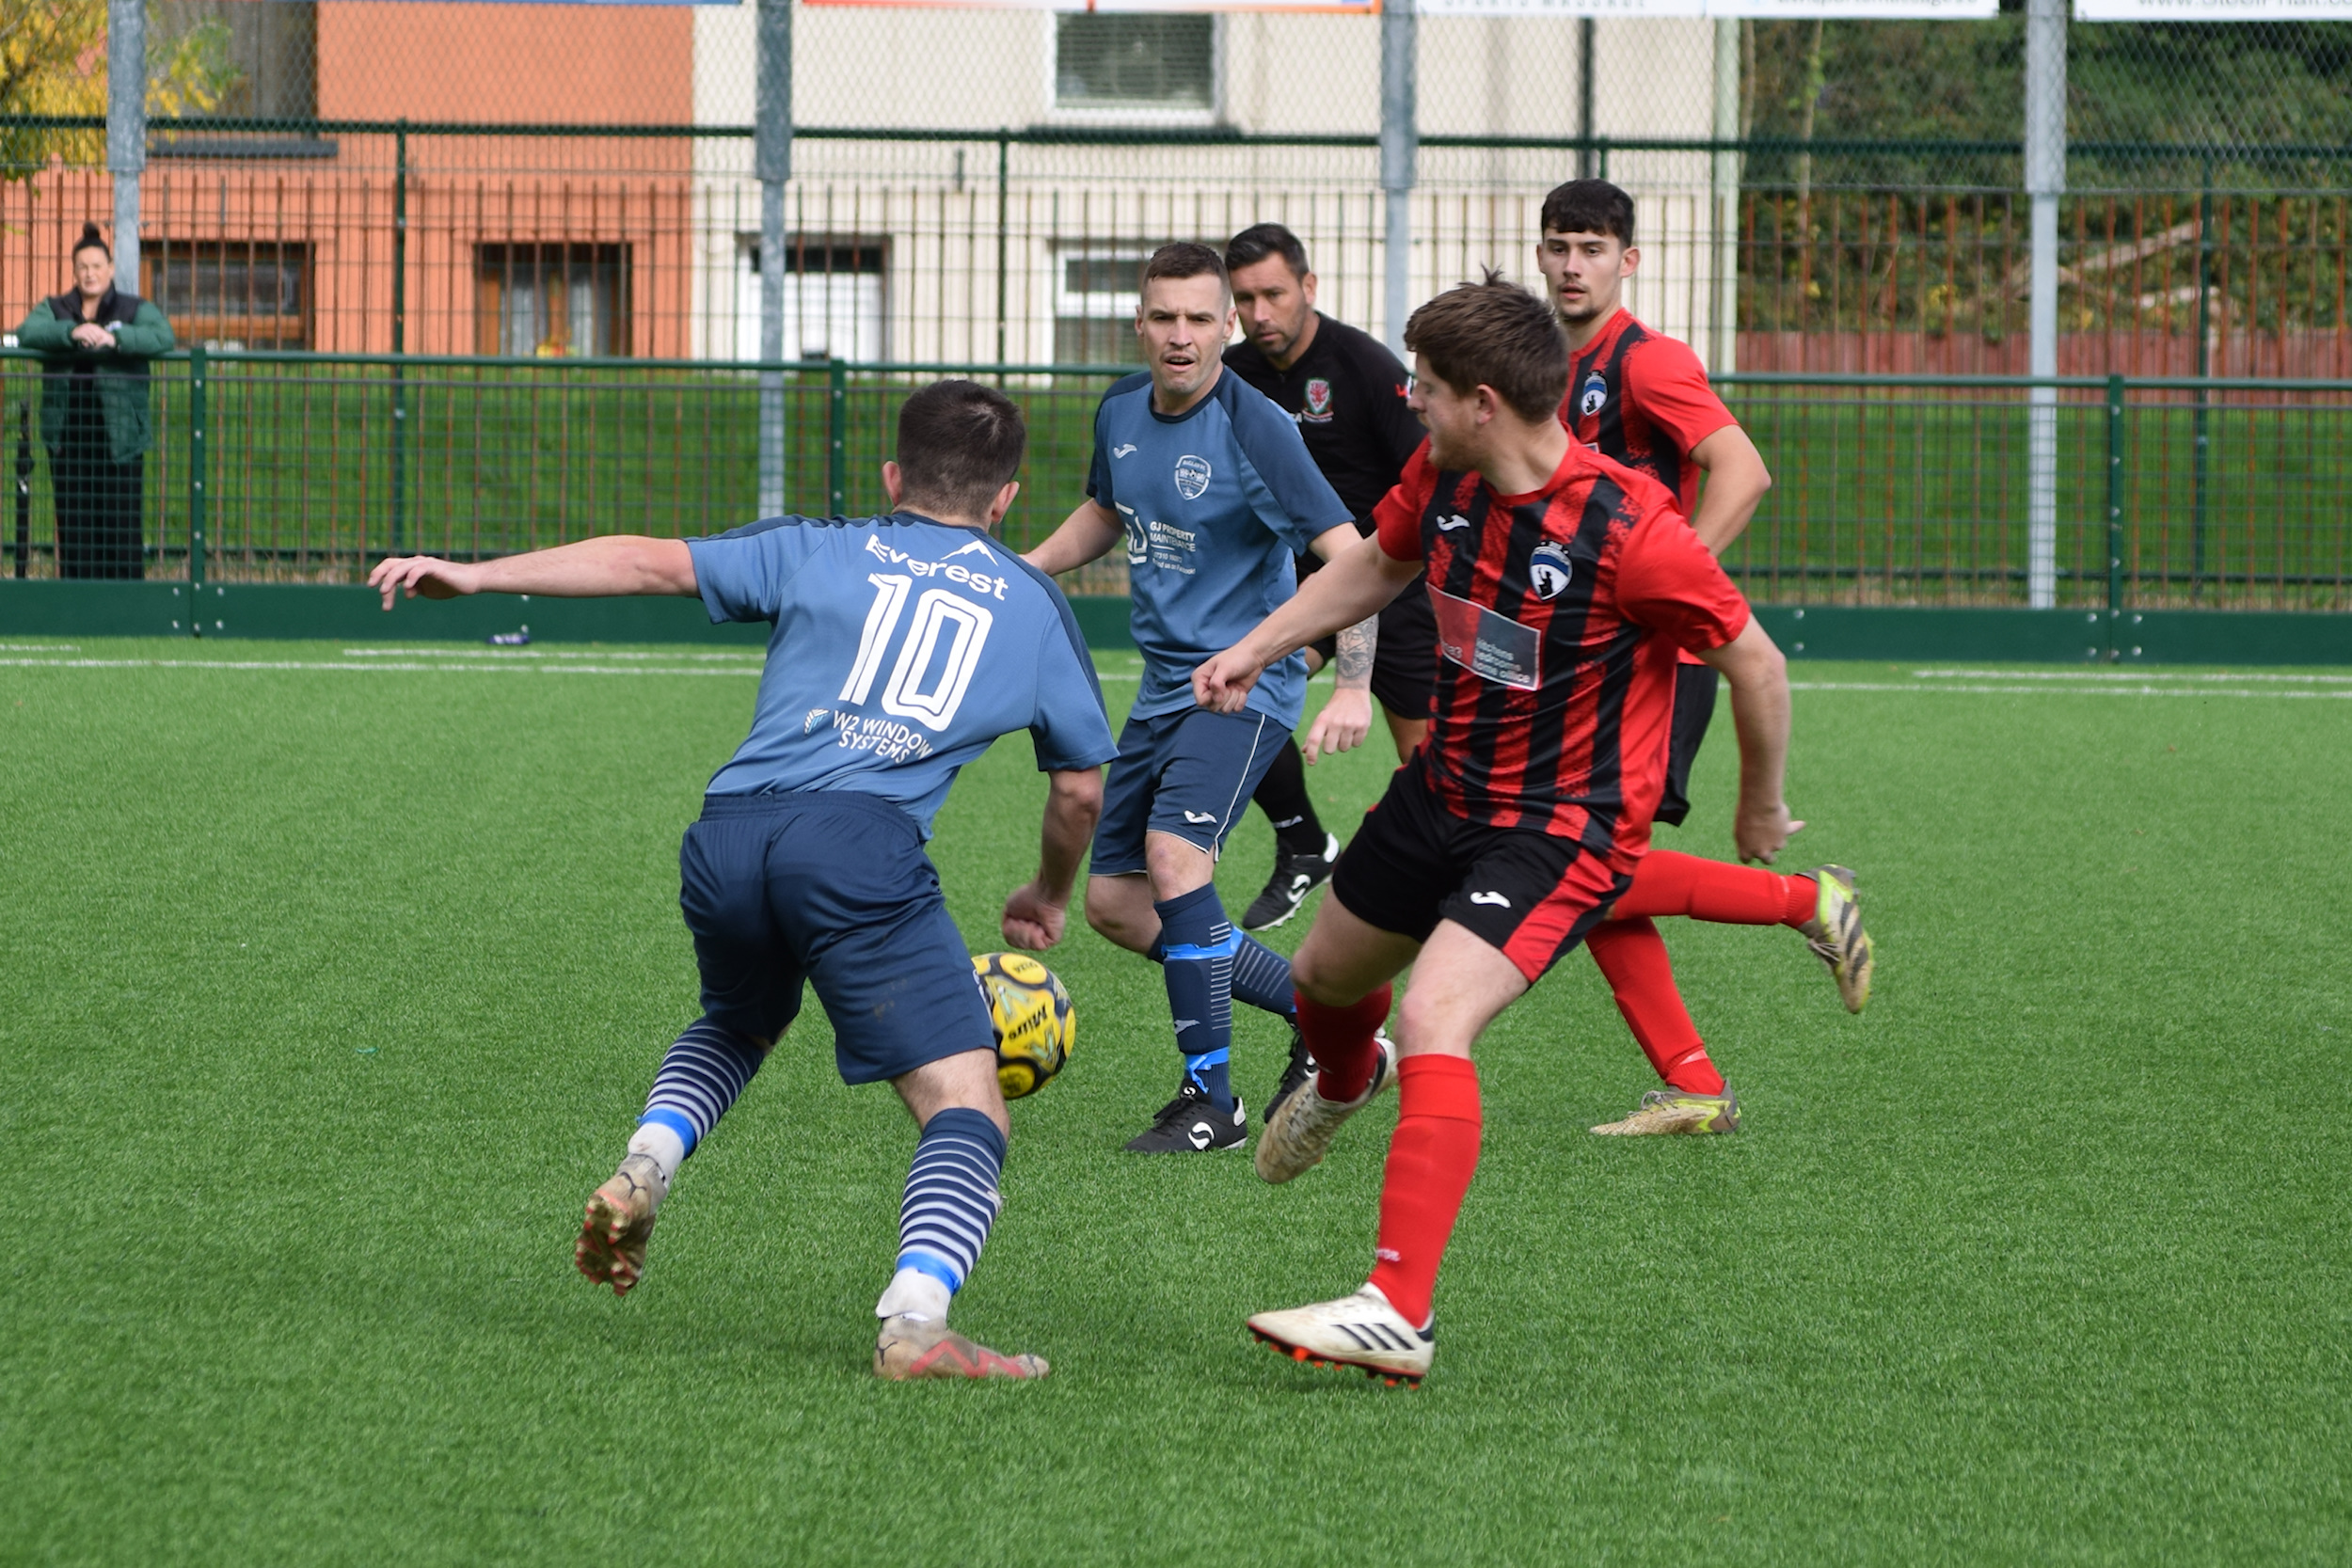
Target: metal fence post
1586, 166
399, 330
126, 126
2045, 181
1400, 156
2115, 511
2205, 369
197, 508
838, 452
1004, 215
772, 158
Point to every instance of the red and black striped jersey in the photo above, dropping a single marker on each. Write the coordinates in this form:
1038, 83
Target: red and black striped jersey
1642, 398
1559, 617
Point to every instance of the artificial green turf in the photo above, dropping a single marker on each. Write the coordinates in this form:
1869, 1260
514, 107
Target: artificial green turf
328, 996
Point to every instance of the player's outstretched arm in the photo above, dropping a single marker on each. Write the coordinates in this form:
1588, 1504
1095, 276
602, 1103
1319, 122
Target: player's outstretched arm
1034, 913
1086, 534
1346, 717
606, 567
1758, 677
1357, 582
1736, 480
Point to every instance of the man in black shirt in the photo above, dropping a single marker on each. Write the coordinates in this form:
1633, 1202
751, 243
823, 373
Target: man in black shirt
1347, 395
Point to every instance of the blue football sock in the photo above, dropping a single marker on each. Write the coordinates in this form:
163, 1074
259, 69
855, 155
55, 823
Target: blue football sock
1261, 978
952, 1196
1200, 942
699, 1079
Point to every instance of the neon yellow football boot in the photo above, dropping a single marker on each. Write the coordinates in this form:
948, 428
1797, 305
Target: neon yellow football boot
1667, 1111
1835, 934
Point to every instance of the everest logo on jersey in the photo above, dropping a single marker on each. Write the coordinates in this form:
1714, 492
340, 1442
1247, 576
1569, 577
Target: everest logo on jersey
983, 583
1192, 476
1318, 409
1595, 396
1548, 570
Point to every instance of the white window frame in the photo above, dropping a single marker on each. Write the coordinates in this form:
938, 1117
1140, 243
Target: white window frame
1056, 114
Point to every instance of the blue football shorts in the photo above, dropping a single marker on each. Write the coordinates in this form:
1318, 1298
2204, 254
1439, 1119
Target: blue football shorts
1189, 773
832, 888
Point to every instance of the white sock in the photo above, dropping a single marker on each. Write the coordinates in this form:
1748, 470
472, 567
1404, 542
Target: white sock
662, 1144
915, 1294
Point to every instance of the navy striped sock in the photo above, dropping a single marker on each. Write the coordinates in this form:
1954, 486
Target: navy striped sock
1200, 943
699, 1079
1261, 978
951, 1196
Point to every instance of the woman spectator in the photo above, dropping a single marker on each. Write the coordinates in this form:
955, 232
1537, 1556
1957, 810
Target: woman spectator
93, 412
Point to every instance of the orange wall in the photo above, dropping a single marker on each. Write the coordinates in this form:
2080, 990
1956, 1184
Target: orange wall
383, 59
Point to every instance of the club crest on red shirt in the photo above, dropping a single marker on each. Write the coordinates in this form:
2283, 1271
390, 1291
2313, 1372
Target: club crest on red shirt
1595, 396
1548, 570
1318, 409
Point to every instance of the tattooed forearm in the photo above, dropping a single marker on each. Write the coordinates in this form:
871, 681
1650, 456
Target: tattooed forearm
1356, 645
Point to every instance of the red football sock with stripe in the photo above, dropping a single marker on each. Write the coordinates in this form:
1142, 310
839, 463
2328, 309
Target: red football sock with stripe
1632, 956
1340, 1040
1666, 883
1431, 1157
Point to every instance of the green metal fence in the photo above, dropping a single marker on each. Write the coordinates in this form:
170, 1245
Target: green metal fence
288, 467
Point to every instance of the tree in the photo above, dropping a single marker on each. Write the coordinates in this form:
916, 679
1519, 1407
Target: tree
53, 62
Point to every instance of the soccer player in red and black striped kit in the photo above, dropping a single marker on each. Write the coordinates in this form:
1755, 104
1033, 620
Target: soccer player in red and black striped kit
1563, 585
1641, 398
1346, 393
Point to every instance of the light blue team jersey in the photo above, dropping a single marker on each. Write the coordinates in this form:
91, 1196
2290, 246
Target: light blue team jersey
1216, 503
903, 648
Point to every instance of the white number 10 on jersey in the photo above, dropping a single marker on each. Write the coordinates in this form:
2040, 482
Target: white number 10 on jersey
937, 611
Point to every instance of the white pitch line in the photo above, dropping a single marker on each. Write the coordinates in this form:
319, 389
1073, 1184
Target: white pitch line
2068, 690
511, 655
386, 667
2120, 676
389, 667
40, 647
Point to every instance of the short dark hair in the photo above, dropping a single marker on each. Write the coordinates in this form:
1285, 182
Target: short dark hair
1494, 334
92, 240
1589, 207
959, 444
1186, 258
1259, 241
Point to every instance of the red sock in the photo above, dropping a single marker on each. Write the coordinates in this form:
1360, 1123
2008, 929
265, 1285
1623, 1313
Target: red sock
1431, 1157
1666, 883
1340, 1040
1633, 955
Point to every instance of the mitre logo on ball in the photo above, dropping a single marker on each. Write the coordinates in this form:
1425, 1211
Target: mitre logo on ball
1548, 570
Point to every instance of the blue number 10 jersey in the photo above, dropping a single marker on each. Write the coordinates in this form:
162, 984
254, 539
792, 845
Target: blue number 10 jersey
904, 647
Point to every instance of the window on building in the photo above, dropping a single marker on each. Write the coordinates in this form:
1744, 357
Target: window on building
1127, 60
1094, 305
554, 300
236, 294
258, 58
836, 300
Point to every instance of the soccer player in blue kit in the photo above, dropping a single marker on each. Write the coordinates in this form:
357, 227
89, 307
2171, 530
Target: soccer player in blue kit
1212, 490
904, 645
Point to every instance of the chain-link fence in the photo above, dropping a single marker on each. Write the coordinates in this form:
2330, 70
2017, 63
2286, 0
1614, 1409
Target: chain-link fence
978, 186
308, 469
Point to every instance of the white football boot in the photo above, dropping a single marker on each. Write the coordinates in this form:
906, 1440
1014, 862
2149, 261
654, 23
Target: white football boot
1298, 1134
1361, 1331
